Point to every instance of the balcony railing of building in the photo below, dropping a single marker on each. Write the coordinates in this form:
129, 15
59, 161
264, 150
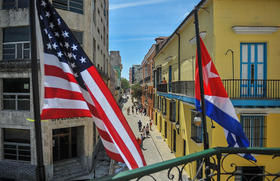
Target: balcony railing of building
236, 88
222, 166
16, 101
162, 87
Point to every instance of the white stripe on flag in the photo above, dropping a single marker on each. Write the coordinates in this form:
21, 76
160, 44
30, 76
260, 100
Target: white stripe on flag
110, 146
224, 104
53, 60
59, 103
99, 123
56, 82
111, 116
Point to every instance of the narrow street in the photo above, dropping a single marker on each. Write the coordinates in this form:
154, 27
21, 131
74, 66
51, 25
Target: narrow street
155, 148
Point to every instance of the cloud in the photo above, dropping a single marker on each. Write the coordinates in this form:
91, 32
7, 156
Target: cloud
134, 4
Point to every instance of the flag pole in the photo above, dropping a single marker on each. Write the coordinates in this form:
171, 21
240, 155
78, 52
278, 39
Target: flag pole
204, 125
40, 170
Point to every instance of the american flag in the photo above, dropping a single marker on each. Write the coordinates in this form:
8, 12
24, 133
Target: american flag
73, 88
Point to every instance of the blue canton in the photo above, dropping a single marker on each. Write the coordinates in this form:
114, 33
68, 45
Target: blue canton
59, 41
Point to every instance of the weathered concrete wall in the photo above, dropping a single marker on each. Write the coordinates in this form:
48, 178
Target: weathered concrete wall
14, 17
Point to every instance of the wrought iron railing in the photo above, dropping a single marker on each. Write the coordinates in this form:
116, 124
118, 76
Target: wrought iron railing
252, 88
162, 87
222, 166
236, 88
182, 87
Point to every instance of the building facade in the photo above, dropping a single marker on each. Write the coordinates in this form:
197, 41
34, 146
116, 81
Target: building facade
244, 46
148, 76
116, 64
67, 143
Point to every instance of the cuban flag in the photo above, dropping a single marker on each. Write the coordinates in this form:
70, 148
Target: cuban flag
217, 103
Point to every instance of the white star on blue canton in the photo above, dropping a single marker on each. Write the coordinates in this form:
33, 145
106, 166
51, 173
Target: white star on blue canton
74, 56
46, 31
54, 45
41, 17
58, 21
69, 55
66, 45
49, 46
65, 34
43, 4
82, 60
49, 35
74, 47
59, 54
56, 34
73, 65
47, 14
51, 25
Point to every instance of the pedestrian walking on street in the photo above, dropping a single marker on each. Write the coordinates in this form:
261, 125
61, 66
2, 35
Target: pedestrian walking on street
142, 141
128, 111
147, 130
139, 125
144, 131
151, 123
132, 110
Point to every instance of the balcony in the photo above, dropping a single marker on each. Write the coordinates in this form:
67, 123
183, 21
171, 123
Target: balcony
221, 165
162, 87
236, 88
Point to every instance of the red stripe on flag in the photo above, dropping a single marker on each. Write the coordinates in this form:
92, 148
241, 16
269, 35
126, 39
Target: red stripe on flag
62, 93
114, 156
107, 93
51, 70
115, 134
55, 113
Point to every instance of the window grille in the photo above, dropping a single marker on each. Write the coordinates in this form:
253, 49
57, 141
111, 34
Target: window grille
15, 4
254, 127
75, 6
16, 94
16, 144
172, 108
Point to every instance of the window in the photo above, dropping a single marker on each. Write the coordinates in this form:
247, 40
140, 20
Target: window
69, 5
17, 144
254, 128
15, 4
16, 94
196, 130
163, 106
250, 173
16, 43
79, 36
172, 110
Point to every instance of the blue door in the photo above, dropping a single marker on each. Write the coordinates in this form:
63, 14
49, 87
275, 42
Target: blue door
169, 78
253, 69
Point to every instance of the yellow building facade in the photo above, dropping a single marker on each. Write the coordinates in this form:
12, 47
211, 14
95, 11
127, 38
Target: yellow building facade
243, 39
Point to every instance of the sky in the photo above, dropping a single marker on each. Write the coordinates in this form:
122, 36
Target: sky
134, 25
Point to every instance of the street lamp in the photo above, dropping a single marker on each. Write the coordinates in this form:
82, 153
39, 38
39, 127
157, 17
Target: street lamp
197, 119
